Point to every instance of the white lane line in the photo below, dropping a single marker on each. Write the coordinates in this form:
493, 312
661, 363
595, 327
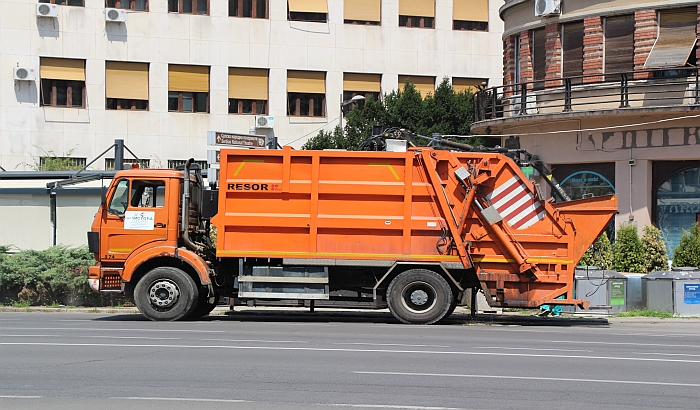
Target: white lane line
28, 335
182, 399
93, 329
530, 348
556, 379
390, 344
15, 320
669, 354
20, 397
318, 349
253, 341
387, 406
130, 337
619, 343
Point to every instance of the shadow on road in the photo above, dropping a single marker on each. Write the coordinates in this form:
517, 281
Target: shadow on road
346, 316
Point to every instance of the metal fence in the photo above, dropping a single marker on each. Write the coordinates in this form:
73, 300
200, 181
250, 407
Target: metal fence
638, 89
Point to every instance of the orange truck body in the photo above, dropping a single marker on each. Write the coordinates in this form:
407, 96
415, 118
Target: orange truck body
473, 219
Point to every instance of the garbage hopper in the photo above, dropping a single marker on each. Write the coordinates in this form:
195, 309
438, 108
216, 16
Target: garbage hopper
634, 291
676, 291
605, 289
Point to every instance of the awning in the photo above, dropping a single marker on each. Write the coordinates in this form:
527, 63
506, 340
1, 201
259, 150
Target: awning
424, 85
362, 10
62, 69
308, 6
417, 8
470, 10
247, 83
126, 80
677, 37
312, 82
188, 78
371, 83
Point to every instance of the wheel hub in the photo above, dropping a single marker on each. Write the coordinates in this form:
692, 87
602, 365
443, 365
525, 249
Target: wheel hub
164, 293
419, 297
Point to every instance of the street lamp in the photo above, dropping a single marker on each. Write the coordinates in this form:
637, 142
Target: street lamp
344, 103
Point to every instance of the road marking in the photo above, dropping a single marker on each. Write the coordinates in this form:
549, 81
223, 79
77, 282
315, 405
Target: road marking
621, 343
389, 344
530, 348
20, 397
670, 354
388, 406
28, 335
182, 399
319, 349
132, 337
555, 379
93, 329
253, 341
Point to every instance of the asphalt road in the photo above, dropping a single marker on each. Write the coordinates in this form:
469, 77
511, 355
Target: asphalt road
271, 360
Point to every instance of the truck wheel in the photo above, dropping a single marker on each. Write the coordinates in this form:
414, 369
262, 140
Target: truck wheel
166, 293
203, 307
419, 296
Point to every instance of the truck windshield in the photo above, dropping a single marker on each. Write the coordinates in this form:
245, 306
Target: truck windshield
120, 198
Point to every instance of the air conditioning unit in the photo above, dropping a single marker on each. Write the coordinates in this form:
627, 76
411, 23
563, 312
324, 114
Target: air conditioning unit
46, 10
264, 121
547, 7
23, 74
115, 15
530, 105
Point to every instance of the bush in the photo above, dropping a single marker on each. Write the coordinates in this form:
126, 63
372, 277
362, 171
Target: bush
599, 254
688, 251
628, 253
655, 256
55, 275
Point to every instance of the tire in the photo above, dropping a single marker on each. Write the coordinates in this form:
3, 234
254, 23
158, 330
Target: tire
203, 306
166, 294
419, 296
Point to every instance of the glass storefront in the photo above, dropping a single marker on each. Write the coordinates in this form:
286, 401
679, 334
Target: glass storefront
678, 206
587, 184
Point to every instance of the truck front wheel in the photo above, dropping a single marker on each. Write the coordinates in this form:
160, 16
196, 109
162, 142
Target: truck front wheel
419, 296
166, 293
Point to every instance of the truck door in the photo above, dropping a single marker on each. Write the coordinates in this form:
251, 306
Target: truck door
136, 214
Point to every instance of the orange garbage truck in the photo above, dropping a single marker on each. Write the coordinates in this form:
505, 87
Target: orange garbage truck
413, 231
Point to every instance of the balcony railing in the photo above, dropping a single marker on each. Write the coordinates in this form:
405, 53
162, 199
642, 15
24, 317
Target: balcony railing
638, 89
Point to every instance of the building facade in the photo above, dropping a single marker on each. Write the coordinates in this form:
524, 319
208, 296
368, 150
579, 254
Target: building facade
606, 93
159, 74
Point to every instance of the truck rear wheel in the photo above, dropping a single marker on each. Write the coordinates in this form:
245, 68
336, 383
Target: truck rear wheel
419, 296
165, 294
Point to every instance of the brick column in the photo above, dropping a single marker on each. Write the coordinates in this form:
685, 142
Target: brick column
553, 54
508, 64
645, 29
697, 44
525, 56
592, 48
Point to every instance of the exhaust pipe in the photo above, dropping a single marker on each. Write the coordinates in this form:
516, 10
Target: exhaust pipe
185, 217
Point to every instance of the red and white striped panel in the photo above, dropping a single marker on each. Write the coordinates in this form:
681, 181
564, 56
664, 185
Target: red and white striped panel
516, 204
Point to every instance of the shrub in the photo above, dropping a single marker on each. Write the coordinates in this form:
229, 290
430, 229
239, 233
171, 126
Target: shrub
655, 256
628, 253
599, 254
688, 251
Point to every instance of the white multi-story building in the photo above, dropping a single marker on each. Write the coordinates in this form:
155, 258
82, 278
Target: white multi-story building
159, 74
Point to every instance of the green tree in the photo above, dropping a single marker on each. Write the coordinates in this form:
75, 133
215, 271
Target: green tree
688, 251
655, 256
600, 254
628, 253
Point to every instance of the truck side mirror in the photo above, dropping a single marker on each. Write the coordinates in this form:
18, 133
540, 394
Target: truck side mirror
103, 196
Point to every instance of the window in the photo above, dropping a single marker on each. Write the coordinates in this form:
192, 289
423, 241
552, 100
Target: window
676, 41
61, 163
367, 85
306, 93
367, 12
417, 13
188, 6
315, 11
539, 57
619, 45
678, 205
138, 5
143, 163
460, 84
147, 194
79, 3
517, 46
120, 198
247, 91
470, 15
256, 9
572, 50
424, 85
188, 88
126, 85
62, 82
174, 163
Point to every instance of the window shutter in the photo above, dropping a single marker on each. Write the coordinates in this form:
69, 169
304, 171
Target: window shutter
308, 6
467, 84
417, 8
362, 10
424, 85
539, 54
188, 78
62, 69
247, 83
362, 82
313, 82
677, 36
619, 44
126, 80
470, 10
572, 46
